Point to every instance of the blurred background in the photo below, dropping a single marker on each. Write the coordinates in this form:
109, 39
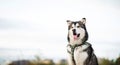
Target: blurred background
34, 32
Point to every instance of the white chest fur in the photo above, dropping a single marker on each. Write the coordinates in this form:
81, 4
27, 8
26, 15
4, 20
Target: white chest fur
79, 55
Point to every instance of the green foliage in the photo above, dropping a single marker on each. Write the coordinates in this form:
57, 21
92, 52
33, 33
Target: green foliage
39, 61
117, 61
105, 62
37, 58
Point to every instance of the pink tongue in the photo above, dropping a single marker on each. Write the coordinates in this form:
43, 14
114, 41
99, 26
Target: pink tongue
75, 37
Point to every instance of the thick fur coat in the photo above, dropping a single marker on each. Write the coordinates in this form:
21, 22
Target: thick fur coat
80, 52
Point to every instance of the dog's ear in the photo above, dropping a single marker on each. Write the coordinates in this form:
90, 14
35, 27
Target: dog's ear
69, 22
83, 20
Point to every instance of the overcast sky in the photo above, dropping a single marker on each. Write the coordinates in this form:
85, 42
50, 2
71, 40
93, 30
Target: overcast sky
40, 26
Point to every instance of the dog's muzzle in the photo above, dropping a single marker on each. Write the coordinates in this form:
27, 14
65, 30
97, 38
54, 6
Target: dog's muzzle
75, 35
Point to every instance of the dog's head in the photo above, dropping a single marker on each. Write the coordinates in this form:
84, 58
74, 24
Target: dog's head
77, 30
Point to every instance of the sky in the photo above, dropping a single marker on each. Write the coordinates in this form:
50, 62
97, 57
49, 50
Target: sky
38, 27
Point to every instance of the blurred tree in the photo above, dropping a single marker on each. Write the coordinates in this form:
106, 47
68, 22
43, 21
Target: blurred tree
20, 62
112, 62
106, 62
62, 62
38, 58
117, 62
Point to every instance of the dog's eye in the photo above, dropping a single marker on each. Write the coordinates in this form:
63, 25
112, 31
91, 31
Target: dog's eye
71, 27
78, 26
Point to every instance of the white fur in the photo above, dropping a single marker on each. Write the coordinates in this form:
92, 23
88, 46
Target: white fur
70, 62
82, 33
77, 24
73, 25
79, 55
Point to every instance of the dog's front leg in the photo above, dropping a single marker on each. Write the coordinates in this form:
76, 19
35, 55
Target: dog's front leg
70, 59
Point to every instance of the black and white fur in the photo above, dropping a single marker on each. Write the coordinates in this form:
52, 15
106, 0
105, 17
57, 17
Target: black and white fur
77, 35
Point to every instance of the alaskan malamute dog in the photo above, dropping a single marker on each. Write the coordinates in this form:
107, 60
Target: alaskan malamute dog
79, 51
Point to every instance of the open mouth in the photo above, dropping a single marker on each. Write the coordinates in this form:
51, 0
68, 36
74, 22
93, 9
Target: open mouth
76, 36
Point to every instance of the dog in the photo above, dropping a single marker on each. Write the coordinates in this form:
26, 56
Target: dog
80, 52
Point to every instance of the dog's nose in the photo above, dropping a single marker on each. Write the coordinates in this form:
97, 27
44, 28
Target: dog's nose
74, 31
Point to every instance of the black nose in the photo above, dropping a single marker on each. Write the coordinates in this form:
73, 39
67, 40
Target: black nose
74, 32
